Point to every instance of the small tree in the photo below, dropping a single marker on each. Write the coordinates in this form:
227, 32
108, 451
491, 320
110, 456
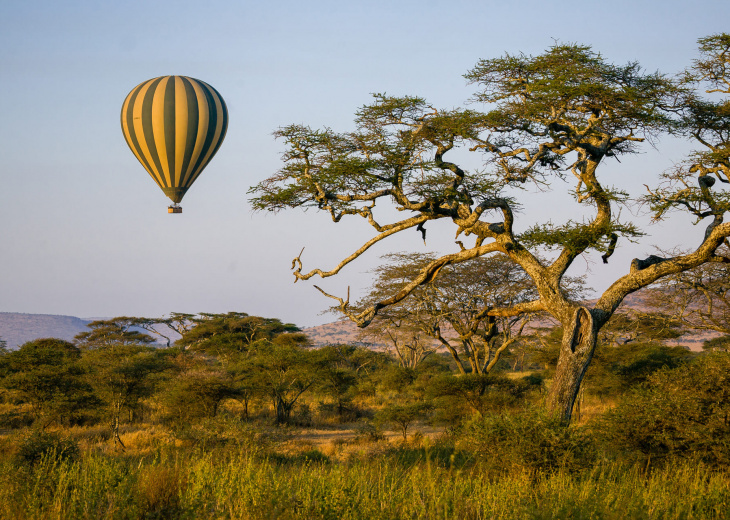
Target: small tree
453, 309
121, 376
284, 373
339, 376
402, 416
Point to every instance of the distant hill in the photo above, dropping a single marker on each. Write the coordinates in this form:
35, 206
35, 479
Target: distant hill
336, 333
17, 328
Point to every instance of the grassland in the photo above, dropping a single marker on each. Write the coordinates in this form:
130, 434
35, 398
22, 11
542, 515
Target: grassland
245, 473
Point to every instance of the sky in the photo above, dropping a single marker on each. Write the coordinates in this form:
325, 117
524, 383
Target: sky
84, 231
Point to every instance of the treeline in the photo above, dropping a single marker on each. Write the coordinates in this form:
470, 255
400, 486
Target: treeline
659, 400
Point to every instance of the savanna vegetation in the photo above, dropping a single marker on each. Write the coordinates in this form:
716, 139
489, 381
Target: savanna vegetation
242, 418
501, 393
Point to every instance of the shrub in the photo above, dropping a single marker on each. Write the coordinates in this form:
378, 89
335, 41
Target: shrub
39, 444
457, 398
15, 420
528, 441
683, 412
369, 432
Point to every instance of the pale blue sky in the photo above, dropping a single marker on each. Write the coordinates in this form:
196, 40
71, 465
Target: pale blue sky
84, 230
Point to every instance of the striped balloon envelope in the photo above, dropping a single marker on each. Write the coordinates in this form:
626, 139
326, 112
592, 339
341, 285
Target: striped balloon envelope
174, 126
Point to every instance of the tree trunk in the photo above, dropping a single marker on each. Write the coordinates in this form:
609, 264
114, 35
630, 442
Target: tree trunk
576, 352
283, 411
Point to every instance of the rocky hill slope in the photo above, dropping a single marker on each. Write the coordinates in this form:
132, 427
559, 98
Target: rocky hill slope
17, 328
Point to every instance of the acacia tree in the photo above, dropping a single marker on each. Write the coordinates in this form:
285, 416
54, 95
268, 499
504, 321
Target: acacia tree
46, 374
453, 309
699, 299
559, 114
122, 375
397, 325
231, 334
115, 331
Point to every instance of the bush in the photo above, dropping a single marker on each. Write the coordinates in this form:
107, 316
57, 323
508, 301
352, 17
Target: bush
678, 413
528, 441
39, 444
457, 397
402, 416
369, 432
15, 420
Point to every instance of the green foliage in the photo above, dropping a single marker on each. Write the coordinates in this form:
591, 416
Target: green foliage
721, 343
284, 372
120, 330
617, 368
402, 415
528, 441
40, 444
196, 394
122, 375
456, 398
576, 236
233, 333
339, 378
591, 95
47, 374
683, 412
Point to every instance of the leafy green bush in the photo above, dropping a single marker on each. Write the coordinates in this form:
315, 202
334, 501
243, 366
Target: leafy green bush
39, 444
456, 398
402, 416
683, 412
528, 441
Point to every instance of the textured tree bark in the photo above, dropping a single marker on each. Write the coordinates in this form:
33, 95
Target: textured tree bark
576, 352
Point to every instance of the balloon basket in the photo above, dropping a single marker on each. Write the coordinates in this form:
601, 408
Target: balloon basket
174, 209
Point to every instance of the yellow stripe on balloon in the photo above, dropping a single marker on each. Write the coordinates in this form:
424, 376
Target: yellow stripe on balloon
181, 127
139, 131
158, 129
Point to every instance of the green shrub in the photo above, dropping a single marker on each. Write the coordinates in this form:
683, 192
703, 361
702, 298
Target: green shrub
528, 441
683, 412
457, 397
39, 444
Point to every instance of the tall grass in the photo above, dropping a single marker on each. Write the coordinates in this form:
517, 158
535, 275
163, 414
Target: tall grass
237, 484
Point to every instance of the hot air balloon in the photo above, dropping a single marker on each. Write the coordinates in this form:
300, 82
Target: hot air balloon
174, 125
